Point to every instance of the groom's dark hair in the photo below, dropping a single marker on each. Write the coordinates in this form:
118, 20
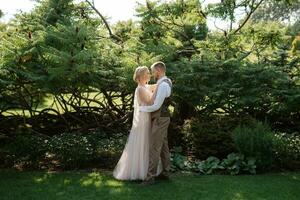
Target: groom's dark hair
159, 65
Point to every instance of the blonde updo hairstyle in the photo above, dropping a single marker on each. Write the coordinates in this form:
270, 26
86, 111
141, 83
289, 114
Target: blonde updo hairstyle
139, 72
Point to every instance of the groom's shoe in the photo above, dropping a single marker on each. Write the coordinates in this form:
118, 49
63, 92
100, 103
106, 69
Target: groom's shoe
150, 181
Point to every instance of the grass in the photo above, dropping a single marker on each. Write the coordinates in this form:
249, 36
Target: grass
101, 185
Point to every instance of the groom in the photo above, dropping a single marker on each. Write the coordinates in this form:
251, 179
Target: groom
160, 116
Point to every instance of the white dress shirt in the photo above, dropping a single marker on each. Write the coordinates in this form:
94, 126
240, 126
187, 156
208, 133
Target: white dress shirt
163, 91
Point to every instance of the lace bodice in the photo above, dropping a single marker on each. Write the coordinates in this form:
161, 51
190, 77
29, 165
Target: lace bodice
147, 92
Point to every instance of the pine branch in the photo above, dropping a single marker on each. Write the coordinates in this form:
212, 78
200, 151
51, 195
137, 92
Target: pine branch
104, 21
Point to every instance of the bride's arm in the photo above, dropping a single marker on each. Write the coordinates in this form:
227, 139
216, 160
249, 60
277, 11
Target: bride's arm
145, 97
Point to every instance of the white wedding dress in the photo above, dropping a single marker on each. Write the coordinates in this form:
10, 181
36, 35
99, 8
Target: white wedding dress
133, 164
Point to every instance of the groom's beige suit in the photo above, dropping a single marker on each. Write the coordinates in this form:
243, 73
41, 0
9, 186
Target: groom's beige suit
160, 116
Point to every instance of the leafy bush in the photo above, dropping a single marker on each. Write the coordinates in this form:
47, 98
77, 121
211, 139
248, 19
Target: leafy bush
78, 150
107, 150
71, 149
255, 140
67, 150
287, 150
236, 163
209, 166
206, 137
26, 148
179, 161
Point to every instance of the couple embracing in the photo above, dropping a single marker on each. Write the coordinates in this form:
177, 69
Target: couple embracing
146, 155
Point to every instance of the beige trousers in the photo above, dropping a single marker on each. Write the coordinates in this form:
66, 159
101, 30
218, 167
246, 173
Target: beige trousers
158, 146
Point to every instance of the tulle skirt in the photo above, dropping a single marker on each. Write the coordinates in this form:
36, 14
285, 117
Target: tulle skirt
134, 161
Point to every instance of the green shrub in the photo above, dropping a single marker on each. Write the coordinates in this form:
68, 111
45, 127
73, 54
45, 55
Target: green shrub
71, 149
67, 150
78, 150
207, 137
233, 164
26, 148
178, 161
236, 163
255, 140
287, 150
209, 166
107, 150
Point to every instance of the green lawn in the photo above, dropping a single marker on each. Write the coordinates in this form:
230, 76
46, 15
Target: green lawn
101, 185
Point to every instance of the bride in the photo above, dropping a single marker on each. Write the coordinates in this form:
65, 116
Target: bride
133, 164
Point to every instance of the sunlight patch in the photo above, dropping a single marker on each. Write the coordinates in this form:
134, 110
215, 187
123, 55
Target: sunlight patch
67, 181
43, 178
97, 183
92, 179
238, 196
114, 183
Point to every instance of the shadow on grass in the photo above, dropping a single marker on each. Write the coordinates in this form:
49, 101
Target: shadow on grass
101, 185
